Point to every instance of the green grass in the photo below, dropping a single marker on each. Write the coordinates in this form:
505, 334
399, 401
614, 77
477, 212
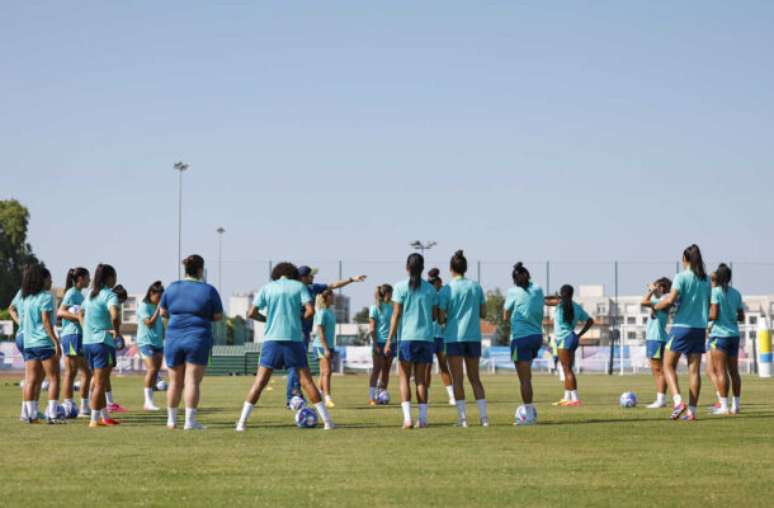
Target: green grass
594, 455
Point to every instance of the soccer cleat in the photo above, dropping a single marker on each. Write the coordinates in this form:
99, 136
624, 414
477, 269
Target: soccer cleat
84, 413
116, 408
678, 410
421, 424
54, 420
194, 426
572, 403
560, 402
462, 424
485, 422
733, 411
171, 426
240, 427
32, 421
150, 407
407, 425
329, 426
110, 422
95, 424
329, 404
656, 405
452, 402
371, 402
721, 412
689, 417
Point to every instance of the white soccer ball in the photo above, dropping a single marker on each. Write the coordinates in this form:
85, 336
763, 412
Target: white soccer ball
306, 419
44, 385
76, 386
21, 384
161, 385
297, 403
525, 415
383, 398
628, 400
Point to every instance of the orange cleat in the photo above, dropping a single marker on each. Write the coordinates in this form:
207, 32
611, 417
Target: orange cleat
109, 422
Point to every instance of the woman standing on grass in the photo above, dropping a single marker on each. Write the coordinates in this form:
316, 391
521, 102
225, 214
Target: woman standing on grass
524, 310
41, 345
283, 347
192, 306
433, 277
415, 307
101, 319
726, 310
71, 335
691, 289
656, 336
150, 340
379, 317
566, 317
462, 306
16, 310
324, 344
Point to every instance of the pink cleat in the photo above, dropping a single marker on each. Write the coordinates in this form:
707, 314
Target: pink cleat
116, 408
678, 410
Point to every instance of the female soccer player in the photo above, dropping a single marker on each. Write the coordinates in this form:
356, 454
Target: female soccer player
192, 306
283, 345
150, 339
41, 345
415, 307
462, 306
101, 320
566, 317
524, 309
656, 337
16, 310
379, 317
433, 277
324, 341
709, 368
726, 310
71, 336
691, 288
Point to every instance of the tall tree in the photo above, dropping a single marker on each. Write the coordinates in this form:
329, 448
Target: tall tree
361, 316
15, 252
494, 314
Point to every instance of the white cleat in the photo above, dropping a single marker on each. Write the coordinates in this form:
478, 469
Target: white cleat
150, 407
194, 426
721, 412
240, 427
84, 413
656, 405
329, 426
462, 424
485, 422
452, 402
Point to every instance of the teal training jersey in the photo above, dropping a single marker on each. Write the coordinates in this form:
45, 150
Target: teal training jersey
461, 301
327, 320
283, 300
18, 304
149, 335
96, 321
656, 328
693, 304
729, 304
562, 328
526, 307
382, 315
416, 320
72, 298
35, 335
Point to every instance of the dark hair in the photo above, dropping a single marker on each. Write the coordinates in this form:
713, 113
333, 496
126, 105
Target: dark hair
434, 276
415, 264
101, 274
120, 292
73, 274
32, 280
724, 276
157, 287
692, 255
285, 269
665, 283
520, 275
458, 263
193, 264
381, 292
568, 309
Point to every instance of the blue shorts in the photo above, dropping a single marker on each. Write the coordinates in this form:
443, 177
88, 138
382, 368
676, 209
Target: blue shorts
416, 351
466, 349
148, 351
729, 345
283, 354
380, 352
654, 349
439, 345
686, 340
20, 342
320, 352
99, 356
525, 349
38, 353
180, 351
72, 345
570, 342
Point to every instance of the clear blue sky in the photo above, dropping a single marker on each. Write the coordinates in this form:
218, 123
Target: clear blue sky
323, 130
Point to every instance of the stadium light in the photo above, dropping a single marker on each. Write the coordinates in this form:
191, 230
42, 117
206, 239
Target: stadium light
220, 232
422, 247
180, 166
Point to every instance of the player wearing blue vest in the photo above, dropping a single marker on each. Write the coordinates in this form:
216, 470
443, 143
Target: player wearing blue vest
415, 307
656, 336
462, 306
283, 299
691, 292
41, 345
150, 340
379, 318
433, 277
726, 310
566, 317
523, 308
101, 320
324, 345
71, 337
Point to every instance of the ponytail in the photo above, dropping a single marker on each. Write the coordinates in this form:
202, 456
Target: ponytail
415, 264
521, 276
458, 263
434, 276
381, 292
692, 255
73, 274
723, 276
568, 309
101, 274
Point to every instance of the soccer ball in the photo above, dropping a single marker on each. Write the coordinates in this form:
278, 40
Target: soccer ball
44, 385
306, 419
161, 385
76, 386
72, 413
525, 416
297, 403
627, 400
383, 398
120, 343
61, 413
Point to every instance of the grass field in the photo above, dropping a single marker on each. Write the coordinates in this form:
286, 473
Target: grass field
594, 455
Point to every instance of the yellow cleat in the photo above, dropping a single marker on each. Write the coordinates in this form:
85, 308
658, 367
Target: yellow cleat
560, 402
371, 402
329, 404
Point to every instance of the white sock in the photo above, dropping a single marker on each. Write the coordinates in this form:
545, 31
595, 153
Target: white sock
677, 399
567, 395
660, 397
327, 398
481, 403
718, 395
406, 407
28, 411
692, 410
460, 409
171, 416
371, 393
450, 391
735, 402
23, 410
95, 416
724, 403
34, 411
323, 412
51, 411
423, 412
190, 416
109, 398
148, 395
561, 375
247, 408
103, 413
574, 395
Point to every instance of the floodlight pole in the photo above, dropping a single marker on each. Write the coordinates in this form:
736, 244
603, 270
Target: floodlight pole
220, 232
180, 166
